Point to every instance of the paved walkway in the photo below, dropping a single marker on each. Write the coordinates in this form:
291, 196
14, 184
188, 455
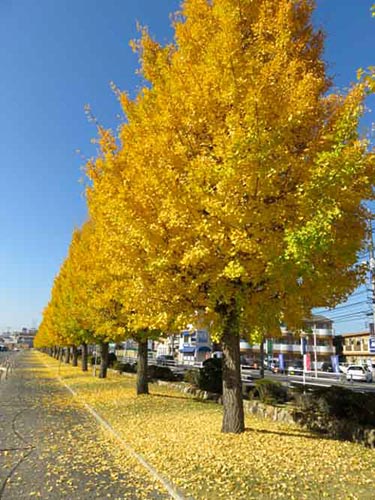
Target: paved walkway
51, 448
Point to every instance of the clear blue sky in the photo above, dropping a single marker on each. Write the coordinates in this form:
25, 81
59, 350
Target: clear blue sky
57, 56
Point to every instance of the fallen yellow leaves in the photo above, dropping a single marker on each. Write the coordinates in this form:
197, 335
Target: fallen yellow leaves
181, 438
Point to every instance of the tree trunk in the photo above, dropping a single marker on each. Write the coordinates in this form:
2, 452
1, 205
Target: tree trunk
261, 355
67, 354
84, 357
75, 356
61, 353
233, 418
142, 362
103, 359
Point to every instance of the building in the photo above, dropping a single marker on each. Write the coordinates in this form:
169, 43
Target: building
318, 339
167, 346
25, 338
358, 348
194, 346
129, 348
8, 340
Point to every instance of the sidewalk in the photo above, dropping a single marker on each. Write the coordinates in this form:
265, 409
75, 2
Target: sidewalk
51, 448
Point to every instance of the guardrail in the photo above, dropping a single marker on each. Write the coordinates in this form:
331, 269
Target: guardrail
248, 374
323, 379
151, 361
6, 367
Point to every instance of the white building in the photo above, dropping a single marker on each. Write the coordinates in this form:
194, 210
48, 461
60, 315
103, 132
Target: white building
194, 346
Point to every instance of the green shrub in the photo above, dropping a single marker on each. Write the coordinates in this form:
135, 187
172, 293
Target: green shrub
324, 409
118, 366
112, 358
129, 367
210, 377
160, 373
92, 360
269, 391
192, 377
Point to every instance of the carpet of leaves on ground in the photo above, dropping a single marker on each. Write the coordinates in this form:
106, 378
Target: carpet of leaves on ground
181, 438
109, 470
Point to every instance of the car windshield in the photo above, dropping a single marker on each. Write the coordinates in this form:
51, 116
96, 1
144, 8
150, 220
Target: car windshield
356, 368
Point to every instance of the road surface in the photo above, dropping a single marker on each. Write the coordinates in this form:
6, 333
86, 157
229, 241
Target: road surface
52, 448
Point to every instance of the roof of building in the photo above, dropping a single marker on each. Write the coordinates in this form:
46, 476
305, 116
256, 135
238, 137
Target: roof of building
318, 317
353, 334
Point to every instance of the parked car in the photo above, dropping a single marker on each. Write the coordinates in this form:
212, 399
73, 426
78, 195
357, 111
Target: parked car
165, 360
327, 367
358, 373
296, 368
273, 366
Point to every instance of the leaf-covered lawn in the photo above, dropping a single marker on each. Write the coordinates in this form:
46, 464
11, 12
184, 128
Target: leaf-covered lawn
181, 438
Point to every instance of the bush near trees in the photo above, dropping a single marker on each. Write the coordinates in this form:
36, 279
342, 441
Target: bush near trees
323, 409
161, 373
210, 376
192, 377
231, 193
124, 367
269, 392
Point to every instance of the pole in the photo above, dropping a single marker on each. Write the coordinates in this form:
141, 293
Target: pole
315, 356
95, 357
304, 372
372, 273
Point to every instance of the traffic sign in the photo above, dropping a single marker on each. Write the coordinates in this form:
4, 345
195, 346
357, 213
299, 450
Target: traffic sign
269, 346
371, 345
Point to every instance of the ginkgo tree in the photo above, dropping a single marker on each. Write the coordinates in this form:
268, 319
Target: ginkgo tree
123, 256
242, 173
57, 327
82, 309
78, 273
62, 319
95, 309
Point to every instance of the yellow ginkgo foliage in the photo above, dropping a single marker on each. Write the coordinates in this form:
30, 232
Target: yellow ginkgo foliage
235, 186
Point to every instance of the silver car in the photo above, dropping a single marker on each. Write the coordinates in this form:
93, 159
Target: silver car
358, 373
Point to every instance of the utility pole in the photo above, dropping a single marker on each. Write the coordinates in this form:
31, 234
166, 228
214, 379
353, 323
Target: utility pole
372, 273
315, 354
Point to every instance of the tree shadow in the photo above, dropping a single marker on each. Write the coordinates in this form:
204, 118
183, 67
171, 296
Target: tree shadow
170, 396
295, 434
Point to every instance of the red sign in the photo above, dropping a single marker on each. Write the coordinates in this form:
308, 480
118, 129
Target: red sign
307, 362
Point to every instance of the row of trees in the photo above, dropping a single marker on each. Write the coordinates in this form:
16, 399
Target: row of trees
233, 190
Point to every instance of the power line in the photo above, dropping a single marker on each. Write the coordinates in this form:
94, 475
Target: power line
344, 306
350, 315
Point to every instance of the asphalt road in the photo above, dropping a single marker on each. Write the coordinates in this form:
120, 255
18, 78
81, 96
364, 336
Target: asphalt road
51, 448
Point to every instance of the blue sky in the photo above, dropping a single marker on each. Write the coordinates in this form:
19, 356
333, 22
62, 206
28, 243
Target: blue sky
57, 56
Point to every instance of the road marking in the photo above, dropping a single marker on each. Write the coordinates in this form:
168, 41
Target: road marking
172, 490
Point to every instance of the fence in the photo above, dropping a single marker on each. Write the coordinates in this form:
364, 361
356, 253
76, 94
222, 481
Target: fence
6, 366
